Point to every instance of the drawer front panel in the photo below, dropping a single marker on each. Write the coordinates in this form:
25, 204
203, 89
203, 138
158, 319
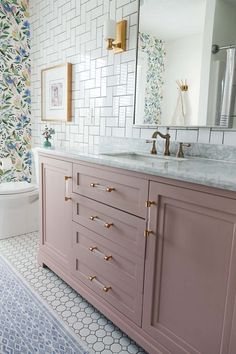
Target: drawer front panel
113, 225
124, 268
120, 191
94, 273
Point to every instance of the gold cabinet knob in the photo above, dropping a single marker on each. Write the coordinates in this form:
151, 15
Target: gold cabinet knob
108, 225
106, 288
67, 198
93, 248
110, 189
149, 203
107, 258
148, 233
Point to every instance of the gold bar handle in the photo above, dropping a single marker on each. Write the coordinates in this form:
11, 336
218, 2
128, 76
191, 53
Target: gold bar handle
107, 225
103, 188
96, 251
66, 188
103, 287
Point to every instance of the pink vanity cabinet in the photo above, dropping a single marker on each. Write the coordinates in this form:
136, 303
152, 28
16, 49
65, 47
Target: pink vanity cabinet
163, 271
56, 212
190, 270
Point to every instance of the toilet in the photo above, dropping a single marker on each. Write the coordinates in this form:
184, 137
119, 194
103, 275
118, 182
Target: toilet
19, 206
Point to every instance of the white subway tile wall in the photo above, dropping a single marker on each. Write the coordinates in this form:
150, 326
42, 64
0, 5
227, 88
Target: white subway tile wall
230, 138
103, 82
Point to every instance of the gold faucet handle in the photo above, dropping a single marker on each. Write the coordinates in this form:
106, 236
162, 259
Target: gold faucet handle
180, 152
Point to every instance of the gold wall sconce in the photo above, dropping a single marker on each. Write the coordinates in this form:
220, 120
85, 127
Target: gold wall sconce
115, 35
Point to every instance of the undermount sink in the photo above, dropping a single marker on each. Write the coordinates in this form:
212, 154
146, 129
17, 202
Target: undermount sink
145, 157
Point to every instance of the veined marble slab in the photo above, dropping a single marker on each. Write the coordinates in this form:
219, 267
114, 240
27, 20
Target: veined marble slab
208, 172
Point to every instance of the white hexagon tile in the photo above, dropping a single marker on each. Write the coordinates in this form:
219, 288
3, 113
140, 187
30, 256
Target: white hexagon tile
100, 334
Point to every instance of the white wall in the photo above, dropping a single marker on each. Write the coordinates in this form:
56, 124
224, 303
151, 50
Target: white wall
183, 61
103, 83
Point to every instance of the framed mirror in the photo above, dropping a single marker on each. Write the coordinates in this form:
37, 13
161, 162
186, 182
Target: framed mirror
186, 66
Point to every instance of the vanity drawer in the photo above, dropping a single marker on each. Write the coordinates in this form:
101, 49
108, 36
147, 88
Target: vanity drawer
110, 224
112, 188
121, 290
122, 263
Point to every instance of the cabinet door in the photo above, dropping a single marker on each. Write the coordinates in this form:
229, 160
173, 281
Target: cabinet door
56, 211
190, 269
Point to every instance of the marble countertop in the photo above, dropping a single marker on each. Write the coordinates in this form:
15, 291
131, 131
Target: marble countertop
207, 172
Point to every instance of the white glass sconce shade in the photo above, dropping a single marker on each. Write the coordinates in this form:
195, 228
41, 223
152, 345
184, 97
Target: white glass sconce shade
110, 29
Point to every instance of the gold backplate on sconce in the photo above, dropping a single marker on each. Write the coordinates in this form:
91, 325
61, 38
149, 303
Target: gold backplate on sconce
121, 29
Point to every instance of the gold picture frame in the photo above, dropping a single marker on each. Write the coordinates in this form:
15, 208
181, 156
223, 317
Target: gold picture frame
56, 87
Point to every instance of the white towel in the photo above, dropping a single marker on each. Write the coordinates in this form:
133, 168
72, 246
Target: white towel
179, 115
228, 101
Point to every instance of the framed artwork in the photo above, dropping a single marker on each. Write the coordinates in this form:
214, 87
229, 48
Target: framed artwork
56, 85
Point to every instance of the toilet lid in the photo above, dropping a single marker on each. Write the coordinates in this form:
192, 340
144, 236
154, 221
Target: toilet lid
16, 187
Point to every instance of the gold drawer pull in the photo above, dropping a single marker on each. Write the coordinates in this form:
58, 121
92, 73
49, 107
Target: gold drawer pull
103, 287
107, 258
106, 288
67, 188
67, 198
96, 251
149, 203
103, 188
148, 233
92, 248
107, 225
110, 189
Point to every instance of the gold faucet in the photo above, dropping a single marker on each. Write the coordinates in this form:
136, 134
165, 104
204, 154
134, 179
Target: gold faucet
167, 143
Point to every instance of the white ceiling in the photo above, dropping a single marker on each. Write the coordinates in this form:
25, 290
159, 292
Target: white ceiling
171, 19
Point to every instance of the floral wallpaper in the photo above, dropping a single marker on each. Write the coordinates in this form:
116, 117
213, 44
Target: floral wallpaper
155, 51
15, 95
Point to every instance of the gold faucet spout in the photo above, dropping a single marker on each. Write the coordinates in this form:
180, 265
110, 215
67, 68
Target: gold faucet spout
167, 143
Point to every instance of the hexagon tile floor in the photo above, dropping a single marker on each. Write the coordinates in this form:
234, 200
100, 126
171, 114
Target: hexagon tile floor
89, 324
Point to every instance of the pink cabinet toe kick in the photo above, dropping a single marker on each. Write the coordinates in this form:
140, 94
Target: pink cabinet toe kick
157, 257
